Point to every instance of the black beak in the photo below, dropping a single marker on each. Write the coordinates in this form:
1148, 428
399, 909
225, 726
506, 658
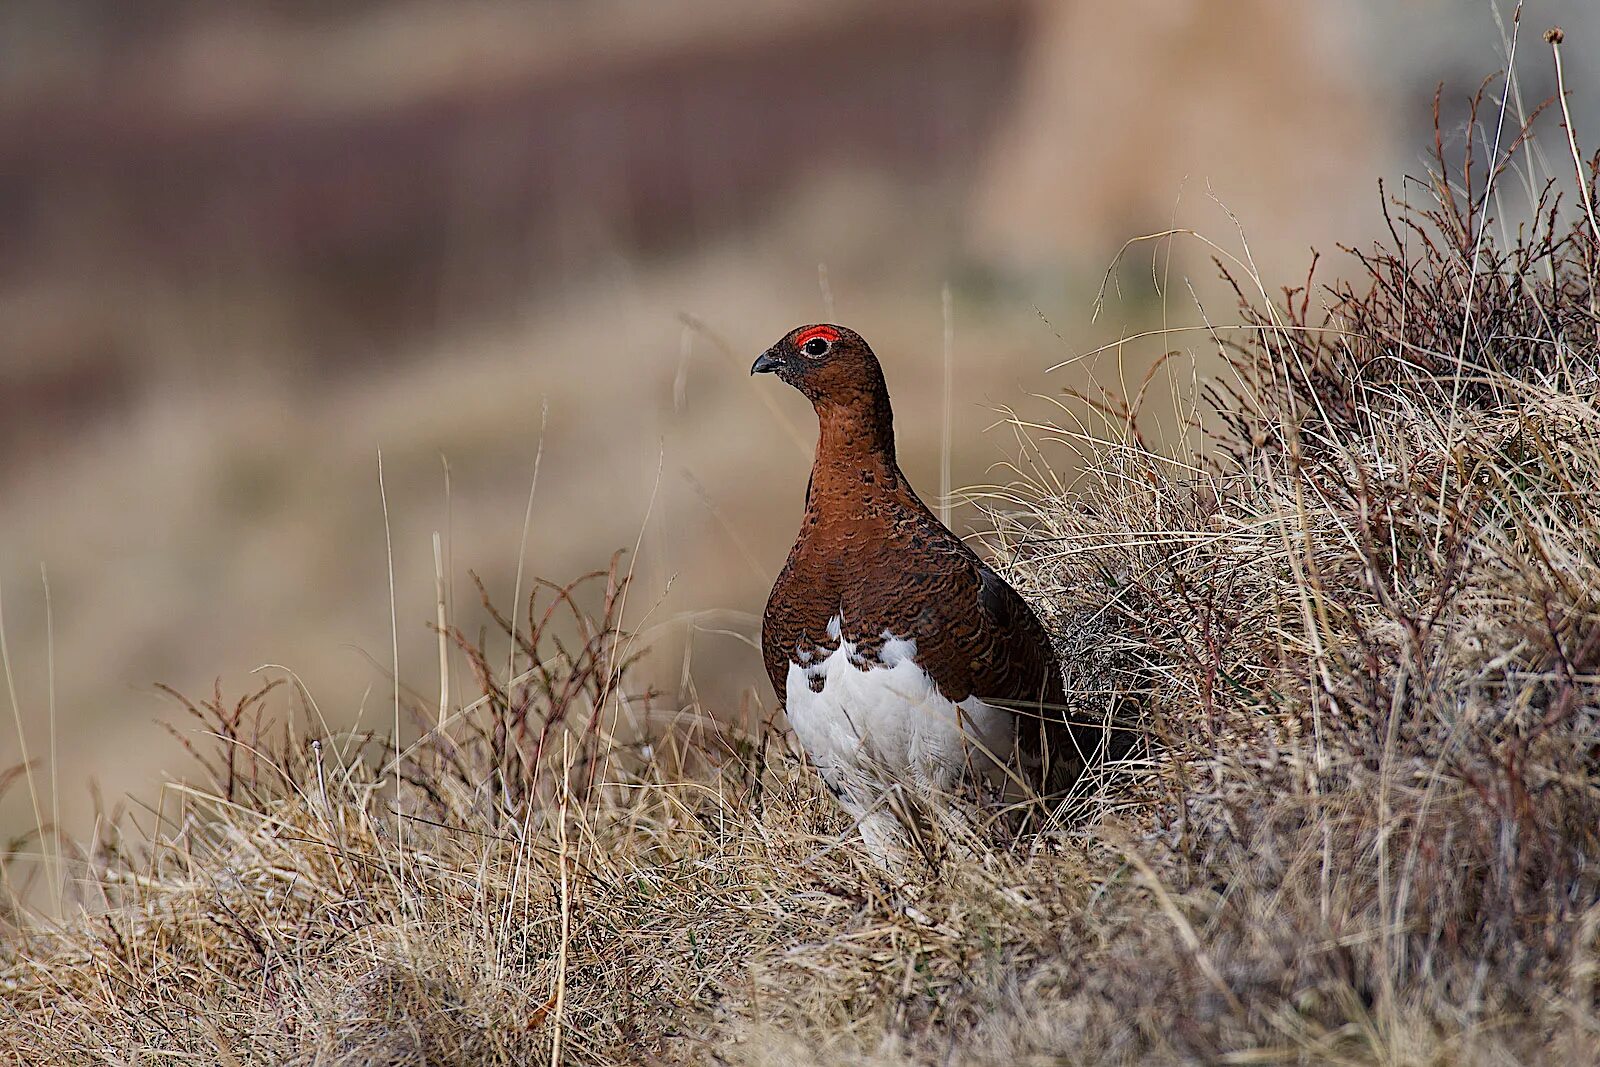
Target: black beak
767, 362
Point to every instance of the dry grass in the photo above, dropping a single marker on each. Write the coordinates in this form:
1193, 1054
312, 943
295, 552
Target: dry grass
1362, 624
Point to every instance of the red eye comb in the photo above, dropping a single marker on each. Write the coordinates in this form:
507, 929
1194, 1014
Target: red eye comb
827, 333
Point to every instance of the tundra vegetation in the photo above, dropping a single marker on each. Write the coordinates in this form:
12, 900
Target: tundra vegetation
1355, 605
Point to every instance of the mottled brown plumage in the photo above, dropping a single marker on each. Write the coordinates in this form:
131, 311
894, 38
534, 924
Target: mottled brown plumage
871, 555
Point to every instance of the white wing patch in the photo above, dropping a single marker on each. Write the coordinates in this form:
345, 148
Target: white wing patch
867, 722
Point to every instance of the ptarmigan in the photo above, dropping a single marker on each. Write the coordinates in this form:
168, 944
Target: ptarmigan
903, 662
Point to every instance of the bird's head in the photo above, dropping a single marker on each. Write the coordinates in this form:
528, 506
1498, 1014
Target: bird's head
831, 365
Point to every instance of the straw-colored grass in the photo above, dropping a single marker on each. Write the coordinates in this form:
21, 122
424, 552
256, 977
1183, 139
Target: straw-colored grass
1359, 618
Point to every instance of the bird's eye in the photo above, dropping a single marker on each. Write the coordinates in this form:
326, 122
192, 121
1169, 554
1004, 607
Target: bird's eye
817, 346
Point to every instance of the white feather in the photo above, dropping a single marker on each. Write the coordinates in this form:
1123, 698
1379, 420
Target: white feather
870, 724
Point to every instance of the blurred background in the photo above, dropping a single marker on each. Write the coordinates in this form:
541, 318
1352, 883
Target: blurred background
244, 247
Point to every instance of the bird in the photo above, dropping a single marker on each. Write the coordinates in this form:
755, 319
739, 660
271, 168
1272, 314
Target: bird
912, 674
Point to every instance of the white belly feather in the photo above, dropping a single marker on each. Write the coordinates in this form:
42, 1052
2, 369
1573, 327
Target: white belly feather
869, 723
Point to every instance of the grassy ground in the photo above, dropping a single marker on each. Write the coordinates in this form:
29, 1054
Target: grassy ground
1360, 617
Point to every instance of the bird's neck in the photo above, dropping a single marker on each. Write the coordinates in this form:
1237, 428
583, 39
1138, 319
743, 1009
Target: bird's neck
855, 449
